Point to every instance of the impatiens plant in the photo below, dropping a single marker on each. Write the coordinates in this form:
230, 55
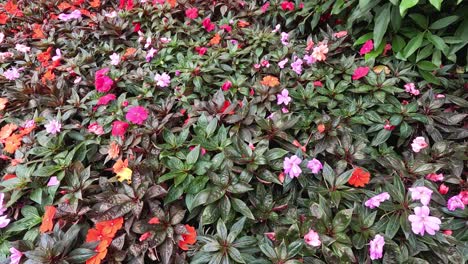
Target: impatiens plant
269, 131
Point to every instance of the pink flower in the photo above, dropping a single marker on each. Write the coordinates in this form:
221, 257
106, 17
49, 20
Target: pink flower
284, 38
265, 7
435, 177
202, 150
320, 52
119, 128
22, 48
2, 208
115, 59
443, 189
286, 5
11, 74
106, 99
53, 127
297, 66
283, 97
360, 72
137, 115
421, 222
102, 82
150, 54
201, 50
447, 232
265, 63
53, 181
367, 47
376, 247
208, 25
439, 96
410, 88
165, 40
454, 203
340, 34
4, 221
284, 110
314, 165
15, 256
73, 15
191, 13
162, 80
312, 238
309, 59
418, 144
226, 85
318, 84
5, 55
376, 200
464, 197
96, 128
226, 27
421, 193
282, 63
58, 55
291, 166
388, 126
271, 236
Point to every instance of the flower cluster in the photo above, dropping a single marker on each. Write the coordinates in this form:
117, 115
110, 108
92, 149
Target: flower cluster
103, 232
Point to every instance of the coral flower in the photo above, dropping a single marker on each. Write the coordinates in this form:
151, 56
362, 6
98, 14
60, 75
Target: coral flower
137, 115
121, 169
47, 219
270, 81
359, 178
154, 221
3, 102
188, 238
114, 150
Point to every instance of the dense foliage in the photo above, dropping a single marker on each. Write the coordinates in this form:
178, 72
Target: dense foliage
189, 131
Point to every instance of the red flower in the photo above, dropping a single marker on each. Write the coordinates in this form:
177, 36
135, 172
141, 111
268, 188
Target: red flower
201, 50
119, 128
359, 178
208, 25
191, 13
47, 219
188, 238
367, 47
137, 26
127, 4
286, 5
443, 189
360, 72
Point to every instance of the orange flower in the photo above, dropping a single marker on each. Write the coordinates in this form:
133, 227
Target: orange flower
94, 3
359, 178
189, 238
121, 169
62, 6
270, 81
38, 33
3, 102
172, 2
48, 76
114, 150
47, 219
129, 52
101, 251
321, 128
104, 232
243, 24
215, 40
12, 143
44, 57
7, 130
12, 9
3, 18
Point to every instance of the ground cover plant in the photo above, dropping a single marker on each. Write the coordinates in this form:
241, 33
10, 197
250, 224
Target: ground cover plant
186, 131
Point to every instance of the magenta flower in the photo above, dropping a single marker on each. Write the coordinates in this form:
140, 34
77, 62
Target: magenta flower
96, 129
191, 13
119, 128
312, 238
376, 247
102, 82
367, 47
53, 127
282, 63
421, 193
226, 85
11, 74
208, 25
162, 80
455, 203
376, 200
435, 177
137, 115
15, 256
283, 97
418, 144
4, 221
297, 66
73, 15
314, 165
106, 99
284, 38
421, 222
360, 72
53, 181
410, 88
265, 7
291, 166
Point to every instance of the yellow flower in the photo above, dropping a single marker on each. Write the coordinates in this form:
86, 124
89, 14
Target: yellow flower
123, 172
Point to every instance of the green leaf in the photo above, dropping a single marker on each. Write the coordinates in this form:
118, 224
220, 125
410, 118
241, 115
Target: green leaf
328, 174
427, 66
275, 153
398, 43
236, 229
393, 226
342, 220
420, 20
405, 5
398, 188
413, 45
429, 77
443, 22
438, 42
235, 255
221, 229
193, 155
36, 195
436, 3
363, 39
381, 137
239, 206
46, 171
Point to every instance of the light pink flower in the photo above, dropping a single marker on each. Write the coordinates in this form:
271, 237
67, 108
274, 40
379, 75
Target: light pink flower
376, 247
5, 55
15, 256
314, 165
435, 177
421, 222
312, 238
106, 99
410, 88
53, 181
73, 15
58, 55
53, 127
137, 115
418, 144
11, 74
421, 193
376, 200
148, 42
297, 66
111, 14
282, 63
283, 97
455, 203
284, 110
77, 80
162, 80
115, 59
309, 59
320, 52
2, 208
29, 123
96, 129
284, 38
340, 34
277, 28
291, 166
360, 72
2, 36
367, 47
4, 221
22, 48
165, 40
150, 54
439, 96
